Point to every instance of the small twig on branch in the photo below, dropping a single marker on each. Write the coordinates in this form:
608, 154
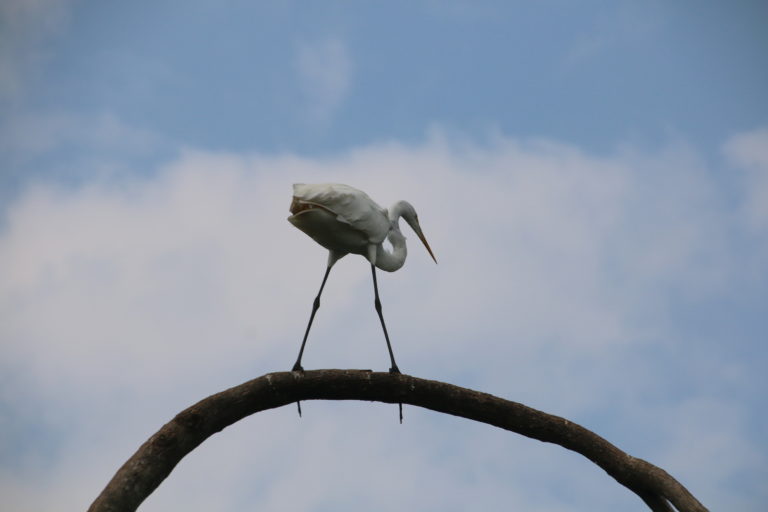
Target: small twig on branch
157, 457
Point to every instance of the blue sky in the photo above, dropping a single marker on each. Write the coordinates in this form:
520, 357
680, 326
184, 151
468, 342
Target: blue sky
592, 177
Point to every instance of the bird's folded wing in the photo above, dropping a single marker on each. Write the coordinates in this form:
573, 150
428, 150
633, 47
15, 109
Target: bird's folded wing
351, 206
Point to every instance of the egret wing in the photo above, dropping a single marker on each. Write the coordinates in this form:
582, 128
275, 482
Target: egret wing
350, 205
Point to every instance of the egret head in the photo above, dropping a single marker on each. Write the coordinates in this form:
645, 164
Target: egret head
405, 210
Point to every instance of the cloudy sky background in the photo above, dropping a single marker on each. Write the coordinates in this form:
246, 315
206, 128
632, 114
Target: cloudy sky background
592, 177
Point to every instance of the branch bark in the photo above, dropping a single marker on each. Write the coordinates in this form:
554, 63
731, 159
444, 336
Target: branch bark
157, 457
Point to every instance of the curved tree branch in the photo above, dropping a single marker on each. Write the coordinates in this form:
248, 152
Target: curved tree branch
157, 457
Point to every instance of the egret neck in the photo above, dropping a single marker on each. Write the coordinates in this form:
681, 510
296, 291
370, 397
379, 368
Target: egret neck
392, 261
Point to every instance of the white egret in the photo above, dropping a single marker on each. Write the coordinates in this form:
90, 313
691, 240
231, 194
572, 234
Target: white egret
345, 220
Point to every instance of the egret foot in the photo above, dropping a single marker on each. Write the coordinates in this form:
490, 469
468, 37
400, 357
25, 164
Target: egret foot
298, 368
396, 371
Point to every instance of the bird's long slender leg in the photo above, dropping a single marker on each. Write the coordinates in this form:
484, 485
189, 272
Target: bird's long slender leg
315, 306
377, 303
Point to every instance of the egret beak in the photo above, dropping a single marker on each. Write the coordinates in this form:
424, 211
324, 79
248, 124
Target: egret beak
424, 241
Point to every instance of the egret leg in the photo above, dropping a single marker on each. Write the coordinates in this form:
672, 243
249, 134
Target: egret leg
377, 303
315, 306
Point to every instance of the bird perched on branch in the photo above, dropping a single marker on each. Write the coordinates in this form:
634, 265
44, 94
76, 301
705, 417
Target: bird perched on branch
345, 220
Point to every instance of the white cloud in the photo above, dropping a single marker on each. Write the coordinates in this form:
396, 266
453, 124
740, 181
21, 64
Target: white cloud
324, 68
749, 152
703, 431
70, 148
124, 302
37, 134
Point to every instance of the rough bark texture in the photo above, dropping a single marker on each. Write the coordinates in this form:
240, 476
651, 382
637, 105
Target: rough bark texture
157, 457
